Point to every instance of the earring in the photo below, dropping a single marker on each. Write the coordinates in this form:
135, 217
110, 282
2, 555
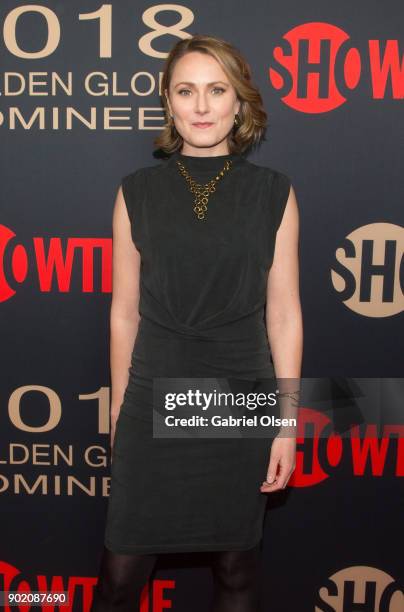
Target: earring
236, 120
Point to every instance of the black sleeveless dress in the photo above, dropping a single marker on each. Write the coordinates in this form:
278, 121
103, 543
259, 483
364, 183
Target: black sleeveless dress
202, 305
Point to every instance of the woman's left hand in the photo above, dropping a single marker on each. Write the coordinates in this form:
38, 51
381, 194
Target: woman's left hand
283, 456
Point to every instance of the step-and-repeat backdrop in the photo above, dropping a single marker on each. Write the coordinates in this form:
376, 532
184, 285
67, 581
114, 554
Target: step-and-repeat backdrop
80, 107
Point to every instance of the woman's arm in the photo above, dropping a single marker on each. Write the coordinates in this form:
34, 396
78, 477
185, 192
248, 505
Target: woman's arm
285, 334
124, 314
283, 310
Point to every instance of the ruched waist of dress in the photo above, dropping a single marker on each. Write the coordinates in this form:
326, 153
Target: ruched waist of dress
247, 328
239, 349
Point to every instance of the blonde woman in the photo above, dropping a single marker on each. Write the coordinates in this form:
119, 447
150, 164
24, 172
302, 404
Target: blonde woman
205, 284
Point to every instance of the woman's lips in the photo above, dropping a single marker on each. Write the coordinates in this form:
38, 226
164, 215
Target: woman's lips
202, 125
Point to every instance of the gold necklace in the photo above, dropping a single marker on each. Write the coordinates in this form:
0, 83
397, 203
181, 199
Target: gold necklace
202, 192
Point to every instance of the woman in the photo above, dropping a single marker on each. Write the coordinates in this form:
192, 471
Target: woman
199, 290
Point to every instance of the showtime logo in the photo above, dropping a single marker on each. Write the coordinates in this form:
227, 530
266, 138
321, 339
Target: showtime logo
53, 263
368, 273
319, 450
316, 67
360, 587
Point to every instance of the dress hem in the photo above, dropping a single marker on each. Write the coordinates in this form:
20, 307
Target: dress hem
180, 548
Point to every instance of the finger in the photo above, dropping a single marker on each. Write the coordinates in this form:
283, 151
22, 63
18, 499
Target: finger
272, 469
284, 471
283, 478
280, 481
290, 474
270, 488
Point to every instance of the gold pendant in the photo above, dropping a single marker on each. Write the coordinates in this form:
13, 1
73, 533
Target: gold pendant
202, 192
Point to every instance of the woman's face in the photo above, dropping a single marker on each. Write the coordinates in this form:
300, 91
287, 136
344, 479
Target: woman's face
201, 93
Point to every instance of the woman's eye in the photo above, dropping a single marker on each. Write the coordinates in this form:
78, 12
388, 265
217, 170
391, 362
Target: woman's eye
181, 91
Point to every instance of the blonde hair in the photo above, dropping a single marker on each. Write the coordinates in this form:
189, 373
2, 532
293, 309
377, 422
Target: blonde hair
252, 116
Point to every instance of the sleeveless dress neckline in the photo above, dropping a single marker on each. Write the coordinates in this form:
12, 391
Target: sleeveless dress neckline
213, 163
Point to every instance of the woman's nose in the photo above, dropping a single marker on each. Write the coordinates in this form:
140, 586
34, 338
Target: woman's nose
201, 103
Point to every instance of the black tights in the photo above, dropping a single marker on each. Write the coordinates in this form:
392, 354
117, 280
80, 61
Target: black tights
122, 578
236, 580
